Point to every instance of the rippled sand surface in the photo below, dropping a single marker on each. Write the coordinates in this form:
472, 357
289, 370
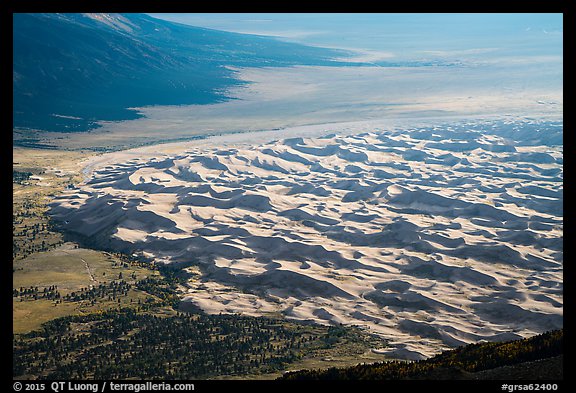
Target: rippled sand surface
431, 237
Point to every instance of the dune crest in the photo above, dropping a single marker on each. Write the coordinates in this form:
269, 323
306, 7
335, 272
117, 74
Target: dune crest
430, 237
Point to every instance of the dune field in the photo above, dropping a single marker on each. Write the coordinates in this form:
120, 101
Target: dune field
431, 237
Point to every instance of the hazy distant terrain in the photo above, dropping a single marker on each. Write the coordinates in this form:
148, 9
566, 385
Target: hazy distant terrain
182, 82
73, 70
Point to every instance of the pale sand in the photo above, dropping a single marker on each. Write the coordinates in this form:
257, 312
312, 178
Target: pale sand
424, 236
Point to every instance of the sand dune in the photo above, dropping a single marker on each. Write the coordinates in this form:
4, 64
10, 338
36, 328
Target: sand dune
431, 237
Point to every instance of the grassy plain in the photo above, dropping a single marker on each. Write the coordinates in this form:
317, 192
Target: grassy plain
72, 269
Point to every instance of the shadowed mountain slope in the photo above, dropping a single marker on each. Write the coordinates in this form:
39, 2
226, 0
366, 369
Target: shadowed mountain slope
72, 70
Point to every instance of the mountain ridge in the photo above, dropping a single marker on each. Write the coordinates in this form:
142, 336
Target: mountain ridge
71, 71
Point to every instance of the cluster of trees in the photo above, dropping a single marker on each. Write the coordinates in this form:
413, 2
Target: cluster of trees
154, 286
35, 293
469, 358
112, 291
126, 260
485, 356
20, 177
31, 230
127, 344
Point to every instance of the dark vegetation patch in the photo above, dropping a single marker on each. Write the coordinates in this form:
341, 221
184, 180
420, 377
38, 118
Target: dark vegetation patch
460, 363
